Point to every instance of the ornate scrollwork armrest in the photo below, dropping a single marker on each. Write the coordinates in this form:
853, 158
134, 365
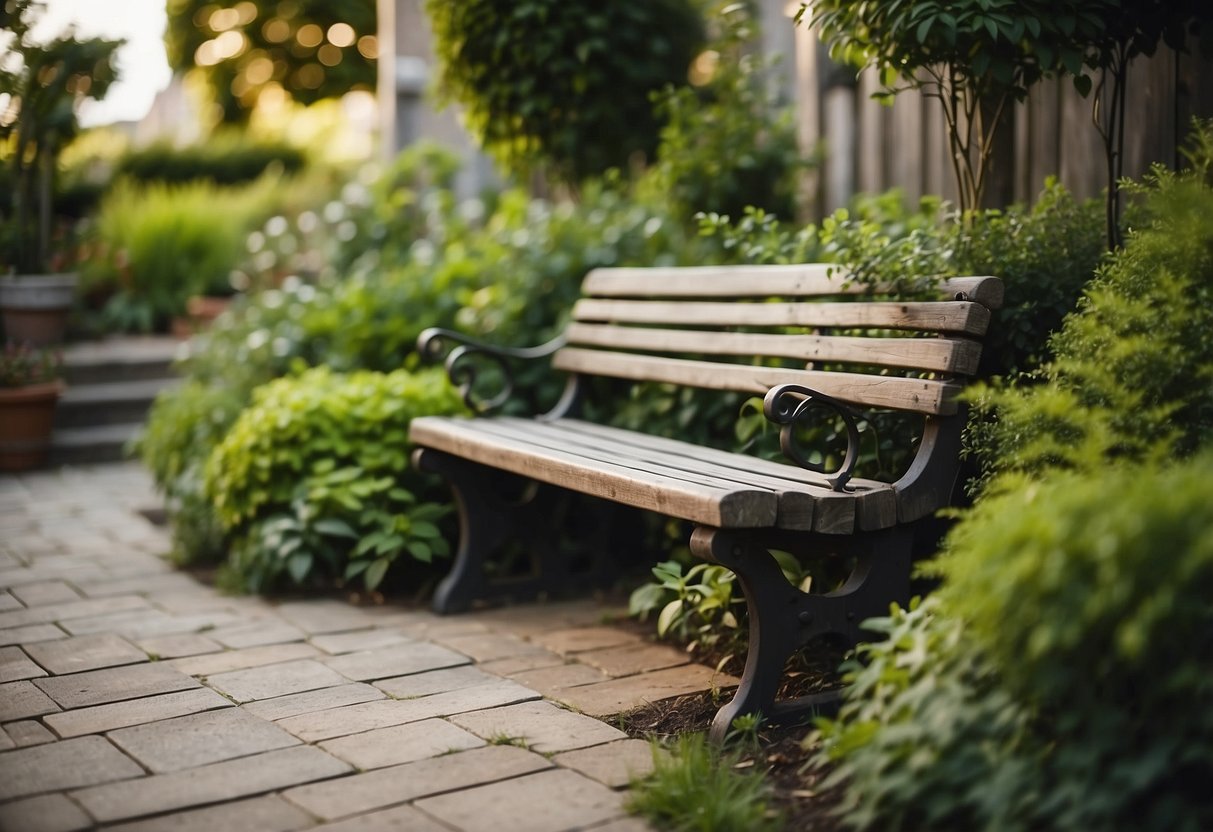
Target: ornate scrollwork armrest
787, 404
461, 362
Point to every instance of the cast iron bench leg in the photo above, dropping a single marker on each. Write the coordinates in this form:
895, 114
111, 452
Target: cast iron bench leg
783, 619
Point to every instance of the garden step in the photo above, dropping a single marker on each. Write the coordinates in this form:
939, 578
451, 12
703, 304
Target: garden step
121, 402
86, 446
120, 358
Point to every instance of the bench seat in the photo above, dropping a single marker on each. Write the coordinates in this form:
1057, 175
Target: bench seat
679, 479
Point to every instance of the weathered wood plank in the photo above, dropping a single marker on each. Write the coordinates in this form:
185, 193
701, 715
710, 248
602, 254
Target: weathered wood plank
891, 392
796, 500
697, 502
872, 503
933, 354
791, 281
926, 316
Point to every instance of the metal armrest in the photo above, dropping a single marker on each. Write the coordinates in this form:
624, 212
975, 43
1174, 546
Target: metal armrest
788, 404
460, 362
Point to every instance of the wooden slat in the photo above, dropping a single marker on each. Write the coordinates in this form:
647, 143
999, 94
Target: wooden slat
930, 316
934, 354
796, 501
697, 502
793, 281
892, 392
874, 503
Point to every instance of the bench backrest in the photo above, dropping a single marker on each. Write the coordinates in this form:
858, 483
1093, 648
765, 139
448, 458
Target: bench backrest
638, 324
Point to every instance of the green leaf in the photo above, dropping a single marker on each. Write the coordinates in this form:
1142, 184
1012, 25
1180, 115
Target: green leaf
375, 573
299, 565
335, 527
669, 615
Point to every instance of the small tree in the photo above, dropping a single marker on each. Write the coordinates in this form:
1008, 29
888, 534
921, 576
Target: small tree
562, 86
1133, 28
41, 85
975, 56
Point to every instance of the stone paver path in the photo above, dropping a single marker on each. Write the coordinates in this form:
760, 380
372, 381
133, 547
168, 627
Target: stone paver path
134, 698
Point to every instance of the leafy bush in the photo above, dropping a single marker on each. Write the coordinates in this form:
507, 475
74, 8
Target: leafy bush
559, 83
1065, 687
312, 481
1131, 377
697, 789
727, 144
228, 159
159, 244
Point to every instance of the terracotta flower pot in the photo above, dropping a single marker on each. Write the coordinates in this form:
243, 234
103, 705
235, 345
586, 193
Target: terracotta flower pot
26, 414
35, 307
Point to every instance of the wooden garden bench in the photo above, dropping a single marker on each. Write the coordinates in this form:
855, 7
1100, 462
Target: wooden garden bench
850, 349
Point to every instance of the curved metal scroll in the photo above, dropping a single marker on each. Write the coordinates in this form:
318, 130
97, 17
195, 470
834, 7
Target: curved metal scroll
787, 404
461, 361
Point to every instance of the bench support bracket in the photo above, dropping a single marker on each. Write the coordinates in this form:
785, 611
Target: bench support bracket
783, 618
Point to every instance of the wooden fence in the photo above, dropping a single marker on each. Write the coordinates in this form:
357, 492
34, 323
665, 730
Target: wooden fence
869, 147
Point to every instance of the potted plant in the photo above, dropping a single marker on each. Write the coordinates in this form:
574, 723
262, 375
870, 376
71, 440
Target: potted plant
29, 389
42, 82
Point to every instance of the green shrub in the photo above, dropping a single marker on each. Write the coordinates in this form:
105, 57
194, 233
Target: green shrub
313, 482
1066, 686
562, 84
697, 789
1132, 373
727, 144
159, 244
229, 159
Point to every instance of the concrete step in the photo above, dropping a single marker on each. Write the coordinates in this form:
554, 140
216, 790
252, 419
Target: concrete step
89, 445
118, 402
121, 358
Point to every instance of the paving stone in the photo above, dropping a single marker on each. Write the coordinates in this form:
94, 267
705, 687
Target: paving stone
200, 739
627, 824
8, 602
27, 732
398, 784
230, 660
138, 625
399, 819
70, 610
631, 659
259, 814
63, 765
517, 664
256, 634
97, 687
15, 665
313, 700
6, 744
529, 619
549, 679
143, 584
358, 641
527, 804
435, 681
103, 718
340, 722
580, 639
229, 780
274, 680
541, 725
316, 617
74, 655
485, 647
45, 813
175, 647
401, 660
19, 700
620, 695
45, 592
401, 744
438, 628
615, 764
31, 634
